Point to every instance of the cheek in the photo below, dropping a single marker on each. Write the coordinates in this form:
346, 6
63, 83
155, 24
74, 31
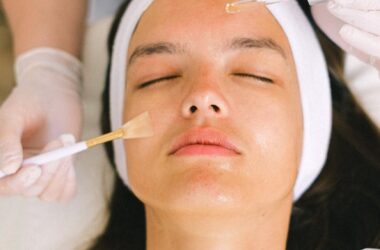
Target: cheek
144, 155
274, 136
276, 128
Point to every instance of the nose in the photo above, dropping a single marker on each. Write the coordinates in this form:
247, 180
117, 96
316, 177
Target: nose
204, 100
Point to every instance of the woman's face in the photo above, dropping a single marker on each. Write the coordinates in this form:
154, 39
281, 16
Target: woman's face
223, 96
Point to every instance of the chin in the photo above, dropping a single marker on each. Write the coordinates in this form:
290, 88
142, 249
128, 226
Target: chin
204, 189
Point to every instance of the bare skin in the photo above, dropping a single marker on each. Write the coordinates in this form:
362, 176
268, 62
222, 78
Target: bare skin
45, 23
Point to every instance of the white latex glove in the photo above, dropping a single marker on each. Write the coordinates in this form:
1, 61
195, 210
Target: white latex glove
45, 104
354, 25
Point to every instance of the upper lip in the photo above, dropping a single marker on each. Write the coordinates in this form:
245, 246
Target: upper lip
203, 136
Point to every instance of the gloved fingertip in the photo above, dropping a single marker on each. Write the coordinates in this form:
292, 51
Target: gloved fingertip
65, 199
67, 139
69, 193
348, 3
33, 191
332, 5
340, 2
10, 163
63, 140
10, 169
30, 175
347, 32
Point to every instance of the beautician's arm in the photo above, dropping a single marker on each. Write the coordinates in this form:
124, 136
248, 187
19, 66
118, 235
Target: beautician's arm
46, 23
46, 102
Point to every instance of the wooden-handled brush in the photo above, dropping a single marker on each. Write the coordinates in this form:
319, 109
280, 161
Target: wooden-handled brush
138, 127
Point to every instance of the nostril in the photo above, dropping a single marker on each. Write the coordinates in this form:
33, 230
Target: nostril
193, 109
215, 108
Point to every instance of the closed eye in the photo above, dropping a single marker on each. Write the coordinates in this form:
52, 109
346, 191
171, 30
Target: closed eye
161, 79
256, 77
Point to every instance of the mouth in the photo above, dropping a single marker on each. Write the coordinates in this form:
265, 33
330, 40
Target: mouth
203, 141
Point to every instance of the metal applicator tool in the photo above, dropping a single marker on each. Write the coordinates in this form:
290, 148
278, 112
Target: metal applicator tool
238, 6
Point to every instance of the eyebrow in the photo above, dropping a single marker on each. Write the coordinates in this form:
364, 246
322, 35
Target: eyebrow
260, 43
155, 48
235, 44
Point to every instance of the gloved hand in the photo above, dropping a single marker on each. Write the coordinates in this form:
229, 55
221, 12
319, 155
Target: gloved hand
354, 25
45, 104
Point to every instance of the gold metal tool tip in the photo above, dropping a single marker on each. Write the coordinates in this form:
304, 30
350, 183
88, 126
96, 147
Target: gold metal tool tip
231, 8
242, 5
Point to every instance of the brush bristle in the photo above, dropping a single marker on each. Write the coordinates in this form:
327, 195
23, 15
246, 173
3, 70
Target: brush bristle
138, 127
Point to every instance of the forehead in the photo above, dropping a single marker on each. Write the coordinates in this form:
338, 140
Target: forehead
204, 21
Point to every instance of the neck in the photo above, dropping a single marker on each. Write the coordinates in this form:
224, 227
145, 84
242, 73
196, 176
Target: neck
240, 231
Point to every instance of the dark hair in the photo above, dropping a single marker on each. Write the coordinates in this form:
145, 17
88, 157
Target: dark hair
341, 210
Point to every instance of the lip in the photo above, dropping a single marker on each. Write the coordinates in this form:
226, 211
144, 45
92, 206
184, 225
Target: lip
203, 141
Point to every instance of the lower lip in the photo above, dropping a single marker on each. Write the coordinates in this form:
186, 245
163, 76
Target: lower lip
193, 150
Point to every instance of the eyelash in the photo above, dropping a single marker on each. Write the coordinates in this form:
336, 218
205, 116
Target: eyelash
260, 78
166, 78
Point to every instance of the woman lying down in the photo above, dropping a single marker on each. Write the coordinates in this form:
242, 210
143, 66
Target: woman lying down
257, 145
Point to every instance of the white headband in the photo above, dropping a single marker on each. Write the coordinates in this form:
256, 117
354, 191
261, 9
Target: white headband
312, 76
